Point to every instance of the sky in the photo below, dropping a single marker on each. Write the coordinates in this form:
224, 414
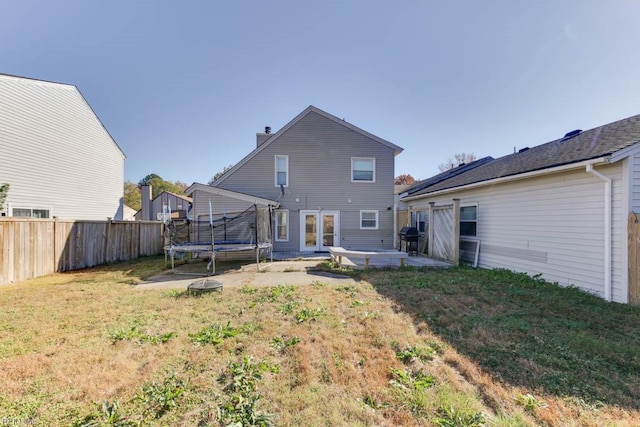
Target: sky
184, 86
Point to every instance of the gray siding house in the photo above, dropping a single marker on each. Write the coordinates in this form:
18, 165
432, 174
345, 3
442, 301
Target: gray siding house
56, 155
157, 208
561, 209
332, 183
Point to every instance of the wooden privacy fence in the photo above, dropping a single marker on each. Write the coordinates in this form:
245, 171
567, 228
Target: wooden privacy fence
36, 247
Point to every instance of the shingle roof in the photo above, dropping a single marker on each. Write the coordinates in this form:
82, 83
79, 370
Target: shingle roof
591, 144
425, 183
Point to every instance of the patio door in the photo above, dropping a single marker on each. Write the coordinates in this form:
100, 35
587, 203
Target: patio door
319, 230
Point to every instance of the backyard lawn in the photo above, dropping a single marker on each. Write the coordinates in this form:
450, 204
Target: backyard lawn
444, 347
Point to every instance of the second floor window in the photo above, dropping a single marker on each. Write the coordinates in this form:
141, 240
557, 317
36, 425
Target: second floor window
282, 171
363, 169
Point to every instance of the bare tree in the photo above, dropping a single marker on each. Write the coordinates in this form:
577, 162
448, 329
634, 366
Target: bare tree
457, 160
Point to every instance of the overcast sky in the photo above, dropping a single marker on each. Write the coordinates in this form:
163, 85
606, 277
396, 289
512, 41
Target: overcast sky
183, 86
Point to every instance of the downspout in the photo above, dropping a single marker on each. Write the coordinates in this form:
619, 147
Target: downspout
607, 229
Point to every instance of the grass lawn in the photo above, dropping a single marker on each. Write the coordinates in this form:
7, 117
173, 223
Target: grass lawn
445, 347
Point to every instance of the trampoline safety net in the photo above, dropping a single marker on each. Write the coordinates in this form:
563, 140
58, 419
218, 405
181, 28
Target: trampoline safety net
247, 230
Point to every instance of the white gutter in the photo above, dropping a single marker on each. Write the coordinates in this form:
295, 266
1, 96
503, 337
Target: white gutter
525, 175
607, 229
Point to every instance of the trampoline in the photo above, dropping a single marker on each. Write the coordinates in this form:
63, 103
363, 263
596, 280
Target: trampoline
208, 236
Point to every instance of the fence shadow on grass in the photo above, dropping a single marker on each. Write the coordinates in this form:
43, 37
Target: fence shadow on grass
526, 332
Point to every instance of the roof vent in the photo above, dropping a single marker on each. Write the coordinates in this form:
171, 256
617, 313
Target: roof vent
571, 134
267, 129
522, 150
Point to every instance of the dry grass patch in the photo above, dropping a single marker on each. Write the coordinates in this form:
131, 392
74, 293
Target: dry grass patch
87, 347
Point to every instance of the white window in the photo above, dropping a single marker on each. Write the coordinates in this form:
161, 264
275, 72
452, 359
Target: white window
363, 169
368, 220
282, 171
420, 220
30, 213
282, 225
469, 221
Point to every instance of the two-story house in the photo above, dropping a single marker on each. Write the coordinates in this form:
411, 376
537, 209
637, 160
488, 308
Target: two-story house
331, 184
56, 155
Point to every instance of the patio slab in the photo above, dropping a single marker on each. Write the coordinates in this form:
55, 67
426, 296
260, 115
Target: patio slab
294, 269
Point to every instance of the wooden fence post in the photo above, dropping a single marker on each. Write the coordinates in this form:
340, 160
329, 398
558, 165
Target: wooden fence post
633, 276
56, 252
430, 231
456, 231
107, 233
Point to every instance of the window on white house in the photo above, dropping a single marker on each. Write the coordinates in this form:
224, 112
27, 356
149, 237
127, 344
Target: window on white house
420, 220
282, 171
363, 169
282, 225
30, 213
368, 220
469, 221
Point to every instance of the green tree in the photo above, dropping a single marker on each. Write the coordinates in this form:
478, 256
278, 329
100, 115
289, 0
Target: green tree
159, 185
132, 196
219, 174
4, 189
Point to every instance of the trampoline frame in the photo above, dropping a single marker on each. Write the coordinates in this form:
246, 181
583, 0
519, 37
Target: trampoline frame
212, 248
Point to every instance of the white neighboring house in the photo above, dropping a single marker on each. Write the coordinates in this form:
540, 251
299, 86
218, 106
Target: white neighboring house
560, 209
57, 157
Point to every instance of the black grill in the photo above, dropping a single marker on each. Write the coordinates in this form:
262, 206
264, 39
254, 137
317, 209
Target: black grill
410, 236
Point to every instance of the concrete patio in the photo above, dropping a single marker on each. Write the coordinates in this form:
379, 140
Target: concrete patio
295, 268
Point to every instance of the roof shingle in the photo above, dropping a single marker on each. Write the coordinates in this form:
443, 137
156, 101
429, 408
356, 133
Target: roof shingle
591, 144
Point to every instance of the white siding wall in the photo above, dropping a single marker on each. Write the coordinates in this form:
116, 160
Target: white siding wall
55, 152
552, 225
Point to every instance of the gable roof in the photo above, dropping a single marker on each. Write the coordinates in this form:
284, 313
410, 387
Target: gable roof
20, 79
231, 194
310, 109
180, 196
596, 143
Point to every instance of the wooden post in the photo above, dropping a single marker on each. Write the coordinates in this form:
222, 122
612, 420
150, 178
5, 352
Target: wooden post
139, 225
430, 229
106, 240
56, 252
633, 242
456, 232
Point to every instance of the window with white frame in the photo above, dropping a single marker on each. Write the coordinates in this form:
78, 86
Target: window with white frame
469, 221
368, 220
282, 171
363, 169
31, 213
420, 219
282, 225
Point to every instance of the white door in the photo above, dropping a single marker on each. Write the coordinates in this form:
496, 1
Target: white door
319, 230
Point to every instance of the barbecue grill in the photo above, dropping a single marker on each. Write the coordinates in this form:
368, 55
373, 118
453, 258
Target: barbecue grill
410, 236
